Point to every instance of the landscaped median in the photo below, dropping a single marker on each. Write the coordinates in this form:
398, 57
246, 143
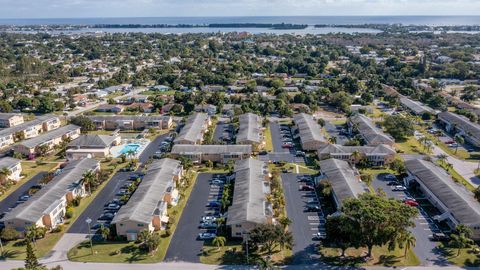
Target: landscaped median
131, 252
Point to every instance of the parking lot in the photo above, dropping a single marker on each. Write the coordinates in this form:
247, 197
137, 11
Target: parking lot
335, 131
279, 152
305, 224
424, 229
197, 218
223, 132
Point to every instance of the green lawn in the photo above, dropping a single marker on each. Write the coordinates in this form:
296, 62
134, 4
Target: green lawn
128, 252
154, 93
410, 146
381, 257
29, 169
268, 139
338, 122
467, 257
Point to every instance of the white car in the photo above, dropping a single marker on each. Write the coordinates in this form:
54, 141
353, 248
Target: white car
208, 218
399, 188
319, 236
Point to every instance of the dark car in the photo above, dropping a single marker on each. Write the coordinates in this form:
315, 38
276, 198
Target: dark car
312, 208
306, 188
439, 237
213, 204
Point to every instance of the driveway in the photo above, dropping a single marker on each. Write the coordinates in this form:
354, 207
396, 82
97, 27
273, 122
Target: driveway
152, 147
425, 248
277, 138
184, 245
11, 200
221, 134
304, 224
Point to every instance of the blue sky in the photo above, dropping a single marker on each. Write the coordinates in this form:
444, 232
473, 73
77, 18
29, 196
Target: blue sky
175, 8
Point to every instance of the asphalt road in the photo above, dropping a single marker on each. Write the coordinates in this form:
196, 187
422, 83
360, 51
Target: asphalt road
277, 138
184, 245
11, 200
279, 153
152, 147
304, 224
425, 247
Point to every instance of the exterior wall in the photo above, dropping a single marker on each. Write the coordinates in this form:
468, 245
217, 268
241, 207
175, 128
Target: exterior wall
51, 125
20, 224
14, 120
131, 229
32, 131
76, 154
6, 141
312, 145
15, 170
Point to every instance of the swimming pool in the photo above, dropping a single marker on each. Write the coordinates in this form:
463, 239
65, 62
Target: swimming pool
130, 147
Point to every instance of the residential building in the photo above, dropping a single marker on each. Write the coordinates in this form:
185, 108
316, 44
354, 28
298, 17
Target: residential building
31, 147
109, 108
250, 206
206, 108
92, 146
415, 107
250, 130
378, 155
131, 122
195, 127
28, 130
10, 120
344, 180
47, 207
456, 204
147, 208
215, 153
309, 131
13, 165
371, 134
458, 124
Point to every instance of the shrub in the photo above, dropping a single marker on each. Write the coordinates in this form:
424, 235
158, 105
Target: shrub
68, 213
9, 234
58, 229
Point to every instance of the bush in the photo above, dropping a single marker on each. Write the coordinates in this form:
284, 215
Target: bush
9, 234
69, 213
58, 229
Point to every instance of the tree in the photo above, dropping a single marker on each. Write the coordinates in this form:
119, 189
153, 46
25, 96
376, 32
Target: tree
341, 232
89, 179
332, 140
31, 261
366, 177
355, 156
476, 192
85, 123
459, 140
9, 234
4, 175
219, 241
459, 241
442, 157
105, 232
398, 126
43, 150
269, 237
408, 241
285, 221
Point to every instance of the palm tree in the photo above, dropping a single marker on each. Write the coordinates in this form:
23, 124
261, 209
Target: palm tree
356, 156
131, 153
89, 179
442, 158
219, 241
409, 241
332, 140
460, 241
459, 140
105, 232
4, 174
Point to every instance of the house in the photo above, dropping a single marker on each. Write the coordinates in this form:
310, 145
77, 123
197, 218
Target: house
92, 146
13, 165
461, 125
147, 209
47, 207
378, 155
250, 130
32, 147
10, 120
141, 107
195, 127
250, 206
371, 134
309, 131
206, 108
131, 122
456, 204
415, 107
216, 153
344, 180
109, 108
161, 88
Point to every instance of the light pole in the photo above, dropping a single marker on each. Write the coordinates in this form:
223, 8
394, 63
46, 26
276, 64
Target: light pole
88, 221
246, 242
1, 248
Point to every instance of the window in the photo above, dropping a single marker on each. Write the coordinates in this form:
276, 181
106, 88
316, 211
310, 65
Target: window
140, 225
121, 224
238, 233
238, 225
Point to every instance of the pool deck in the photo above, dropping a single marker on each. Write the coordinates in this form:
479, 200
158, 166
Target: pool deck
117, 150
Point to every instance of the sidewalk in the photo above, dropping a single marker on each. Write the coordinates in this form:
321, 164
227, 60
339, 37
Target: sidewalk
60, 250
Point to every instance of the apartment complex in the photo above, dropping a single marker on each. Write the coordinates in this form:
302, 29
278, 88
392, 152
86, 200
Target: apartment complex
47, 207
131, 122
215, 153
147, 208
249, 205
309, 132
460, 125
31, 147
371, 134
250, 130
345, 181
378, 155
97, 146
13, 165
456, 204
28, 130
10, 120
415, 107
195, 127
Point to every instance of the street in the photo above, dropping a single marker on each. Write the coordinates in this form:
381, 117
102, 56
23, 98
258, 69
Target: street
11, 200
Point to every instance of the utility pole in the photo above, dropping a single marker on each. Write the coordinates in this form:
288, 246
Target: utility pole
88, 221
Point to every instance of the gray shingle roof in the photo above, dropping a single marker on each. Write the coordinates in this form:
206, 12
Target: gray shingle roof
455, 197
471, 129
210, 149
6, 116
8, 162
33, 142
39, 120
249, 128
415, 106
342, 178
56, 189
249, 202
381, 149
309, 129
193, 129
95, 141
148, 196
140, 118
369, 131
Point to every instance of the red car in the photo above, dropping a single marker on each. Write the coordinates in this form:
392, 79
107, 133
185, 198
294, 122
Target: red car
411, 203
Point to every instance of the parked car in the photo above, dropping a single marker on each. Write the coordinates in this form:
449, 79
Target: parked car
112, 206
214, 204
390, 177
319, 236
312, 208
399, 188
24, 198
217, 182
411, 203
300, 154
287, 145
306, 188
393, 183
208, 225
206, 236
209, 218
106, 216
439, 237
